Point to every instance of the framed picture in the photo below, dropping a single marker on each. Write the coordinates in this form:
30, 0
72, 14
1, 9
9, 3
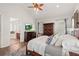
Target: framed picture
28, 27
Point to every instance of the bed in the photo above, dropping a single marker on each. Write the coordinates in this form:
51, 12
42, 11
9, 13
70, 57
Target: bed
38, 44
59, 45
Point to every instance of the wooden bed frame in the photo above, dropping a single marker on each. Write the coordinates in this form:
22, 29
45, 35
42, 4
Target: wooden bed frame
73, 54
32, 53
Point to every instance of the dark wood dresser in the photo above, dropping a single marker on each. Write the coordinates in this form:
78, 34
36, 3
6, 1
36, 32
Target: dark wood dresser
29, 35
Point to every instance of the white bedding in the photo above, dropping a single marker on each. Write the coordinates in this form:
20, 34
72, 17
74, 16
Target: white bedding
38, 44
71, 44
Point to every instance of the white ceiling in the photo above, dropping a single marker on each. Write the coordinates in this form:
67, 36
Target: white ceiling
51, 11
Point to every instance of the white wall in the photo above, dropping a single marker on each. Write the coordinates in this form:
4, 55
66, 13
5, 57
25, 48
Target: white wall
0, 31
59, 24
15, 11
5, 31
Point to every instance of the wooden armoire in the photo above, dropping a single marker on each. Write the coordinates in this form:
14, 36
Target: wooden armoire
48, 29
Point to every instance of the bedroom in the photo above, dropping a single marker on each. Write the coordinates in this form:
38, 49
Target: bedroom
37, 26
59, 21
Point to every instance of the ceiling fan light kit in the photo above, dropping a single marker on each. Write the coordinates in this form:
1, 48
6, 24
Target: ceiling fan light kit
37, 6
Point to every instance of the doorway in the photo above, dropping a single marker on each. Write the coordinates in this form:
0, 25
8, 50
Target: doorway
14, 30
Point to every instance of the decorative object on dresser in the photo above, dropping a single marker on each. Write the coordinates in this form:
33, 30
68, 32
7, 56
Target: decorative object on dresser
29, 35
48, 29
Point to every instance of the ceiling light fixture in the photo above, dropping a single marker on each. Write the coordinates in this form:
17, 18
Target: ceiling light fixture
37, 6
57, 6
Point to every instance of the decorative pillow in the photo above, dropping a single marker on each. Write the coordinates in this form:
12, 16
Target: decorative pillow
55, 38
64, 37
49, 40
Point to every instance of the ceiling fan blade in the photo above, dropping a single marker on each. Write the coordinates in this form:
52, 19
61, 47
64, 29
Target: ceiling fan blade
30, 7
41, 4
40, 8
35, 5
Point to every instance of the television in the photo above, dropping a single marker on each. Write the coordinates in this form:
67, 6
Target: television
28, 27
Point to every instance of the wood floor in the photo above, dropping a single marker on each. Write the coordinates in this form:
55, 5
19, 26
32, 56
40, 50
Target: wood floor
15, 49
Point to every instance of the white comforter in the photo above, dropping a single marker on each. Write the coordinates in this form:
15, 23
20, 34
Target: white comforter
68, 42
38, 44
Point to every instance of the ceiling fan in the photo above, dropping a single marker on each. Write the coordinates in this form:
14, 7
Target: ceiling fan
37, 6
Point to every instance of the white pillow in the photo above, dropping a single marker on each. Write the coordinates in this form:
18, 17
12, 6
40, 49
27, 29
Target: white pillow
64, 37
54, 39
